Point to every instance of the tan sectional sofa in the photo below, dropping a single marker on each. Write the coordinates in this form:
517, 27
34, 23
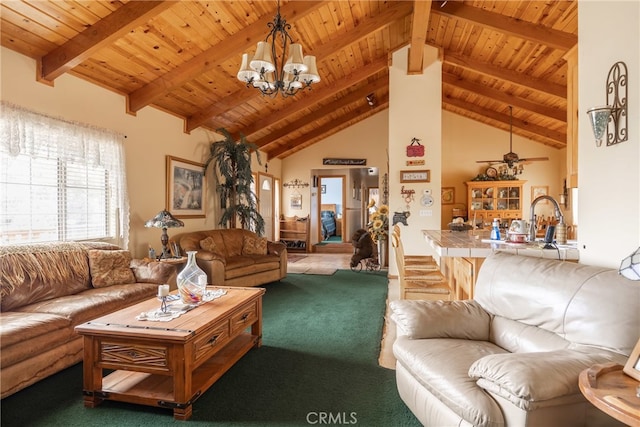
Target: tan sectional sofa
48, 289
236, 257
512, 356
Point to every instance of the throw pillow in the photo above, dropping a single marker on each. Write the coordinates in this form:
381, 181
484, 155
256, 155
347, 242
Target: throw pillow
254, 245
110, 268
209, 244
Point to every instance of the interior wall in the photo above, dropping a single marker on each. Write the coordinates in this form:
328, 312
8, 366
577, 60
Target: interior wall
608, 177
366, 139
151, 135
465, 141
415, 111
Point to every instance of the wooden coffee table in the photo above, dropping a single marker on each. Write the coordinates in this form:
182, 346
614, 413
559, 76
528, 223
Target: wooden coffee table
168, 364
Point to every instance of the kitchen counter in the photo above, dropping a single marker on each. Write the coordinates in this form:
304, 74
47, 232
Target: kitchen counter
476, 244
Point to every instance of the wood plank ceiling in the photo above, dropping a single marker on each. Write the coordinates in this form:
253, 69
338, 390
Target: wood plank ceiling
182, 58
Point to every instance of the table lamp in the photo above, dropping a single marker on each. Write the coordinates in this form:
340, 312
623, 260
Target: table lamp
630, 266
164, 220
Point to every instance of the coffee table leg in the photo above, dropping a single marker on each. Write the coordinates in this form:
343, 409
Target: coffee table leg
182, 414
182, 380
91, 373
256, 328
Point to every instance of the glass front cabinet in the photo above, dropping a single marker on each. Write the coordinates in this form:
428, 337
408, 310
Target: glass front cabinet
494, 199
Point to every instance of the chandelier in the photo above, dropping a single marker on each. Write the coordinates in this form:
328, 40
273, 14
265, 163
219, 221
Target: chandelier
269, 73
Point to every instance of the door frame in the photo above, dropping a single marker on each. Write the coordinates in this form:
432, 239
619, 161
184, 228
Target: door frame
319, 207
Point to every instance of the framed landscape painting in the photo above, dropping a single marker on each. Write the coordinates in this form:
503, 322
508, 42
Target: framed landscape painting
186, 188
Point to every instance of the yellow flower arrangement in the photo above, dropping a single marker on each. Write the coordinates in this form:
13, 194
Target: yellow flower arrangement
379, 223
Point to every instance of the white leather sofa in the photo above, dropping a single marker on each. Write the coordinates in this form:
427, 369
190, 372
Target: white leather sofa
512, 356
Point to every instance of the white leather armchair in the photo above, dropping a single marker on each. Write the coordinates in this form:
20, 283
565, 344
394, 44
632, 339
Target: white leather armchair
512, 356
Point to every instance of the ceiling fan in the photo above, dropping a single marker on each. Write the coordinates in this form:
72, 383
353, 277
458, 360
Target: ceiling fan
512, 158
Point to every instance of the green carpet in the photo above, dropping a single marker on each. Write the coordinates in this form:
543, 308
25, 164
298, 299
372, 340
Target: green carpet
317, 366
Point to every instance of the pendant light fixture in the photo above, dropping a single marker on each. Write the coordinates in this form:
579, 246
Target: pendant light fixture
267, 70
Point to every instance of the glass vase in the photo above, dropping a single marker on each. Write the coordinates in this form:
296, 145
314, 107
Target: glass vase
192, 281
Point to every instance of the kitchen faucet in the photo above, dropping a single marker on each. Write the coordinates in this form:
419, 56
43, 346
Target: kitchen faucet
532, 222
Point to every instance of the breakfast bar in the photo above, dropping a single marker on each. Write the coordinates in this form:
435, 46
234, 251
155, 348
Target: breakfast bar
461, 254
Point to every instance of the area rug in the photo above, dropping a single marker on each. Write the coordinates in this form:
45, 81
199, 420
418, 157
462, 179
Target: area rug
295, 257
321, 342
321, 271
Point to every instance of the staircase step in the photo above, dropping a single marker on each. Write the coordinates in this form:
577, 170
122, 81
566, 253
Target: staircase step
333, 248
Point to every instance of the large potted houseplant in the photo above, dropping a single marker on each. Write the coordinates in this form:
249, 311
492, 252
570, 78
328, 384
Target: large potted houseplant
232, 165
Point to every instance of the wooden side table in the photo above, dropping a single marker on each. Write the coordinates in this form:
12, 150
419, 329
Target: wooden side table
612, 391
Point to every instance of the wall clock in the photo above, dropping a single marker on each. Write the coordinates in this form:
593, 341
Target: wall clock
415, 176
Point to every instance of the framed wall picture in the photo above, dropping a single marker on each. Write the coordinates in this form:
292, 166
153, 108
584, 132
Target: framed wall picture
540, 190
632, 367
448, 195
296, 201
422, 175
186, 188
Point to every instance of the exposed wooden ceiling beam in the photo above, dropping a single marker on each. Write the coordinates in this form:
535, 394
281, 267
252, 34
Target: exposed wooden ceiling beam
398, 11
102, 33
507, 25
510, 76
558, 139
419, 26
214, 56
497, 95
330, 128
342, 102
318, 95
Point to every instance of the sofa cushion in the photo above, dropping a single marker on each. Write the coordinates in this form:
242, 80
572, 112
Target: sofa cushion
94, 303
110, 268
442, 366
534, 380
254, 245
38, 272
239, 266
441, 319
568, 299
24, 335
17, 327
208, 244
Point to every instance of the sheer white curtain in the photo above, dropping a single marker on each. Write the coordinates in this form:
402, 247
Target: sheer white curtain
27, 133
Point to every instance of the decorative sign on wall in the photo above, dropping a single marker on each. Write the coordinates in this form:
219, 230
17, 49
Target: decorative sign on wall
401, 217
415, 162
415, 149
407, 194
344, 162
415, 176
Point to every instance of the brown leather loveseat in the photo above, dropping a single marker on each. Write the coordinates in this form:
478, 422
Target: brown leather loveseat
47, 289
236, 257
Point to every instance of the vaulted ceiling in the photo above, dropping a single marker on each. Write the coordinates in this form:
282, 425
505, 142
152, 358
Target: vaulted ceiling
182, 58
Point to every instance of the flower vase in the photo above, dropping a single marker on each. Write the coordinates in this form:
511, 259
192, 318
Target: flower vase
382, 252
192, 281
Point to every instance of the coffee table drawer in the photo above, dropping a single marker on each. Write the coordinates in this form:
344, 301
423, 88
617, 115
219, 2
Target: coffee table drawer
244, 318
211, 340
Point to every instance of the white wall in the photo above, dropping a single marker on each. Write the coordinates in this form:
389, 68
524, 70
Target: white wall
608, 177
366, 139
415, 111
151, 136
465, 141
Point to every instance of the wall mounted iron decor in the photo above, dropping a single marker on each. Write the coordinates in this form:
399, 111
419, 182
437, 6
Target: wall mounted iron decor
613, 116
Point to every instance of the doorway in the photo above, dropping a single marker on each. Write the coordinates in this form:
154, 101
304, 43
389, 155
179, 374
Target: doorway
331, 218
266, 203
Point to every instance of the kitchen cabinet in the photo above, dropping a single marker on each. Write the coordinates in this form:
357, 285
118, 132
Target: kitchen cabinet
494, 199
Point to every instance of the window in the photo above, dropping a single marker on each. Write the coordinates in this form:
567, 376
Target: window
59, 181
